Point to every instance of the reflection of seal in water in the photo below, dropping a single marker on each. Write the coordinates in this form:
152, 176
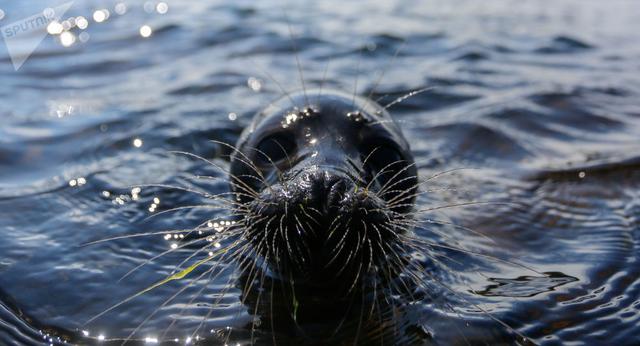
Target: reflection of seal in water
325, 184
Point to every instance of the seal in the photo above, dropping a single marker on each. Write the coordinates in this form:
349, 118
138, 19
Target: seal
325, 185
321, 184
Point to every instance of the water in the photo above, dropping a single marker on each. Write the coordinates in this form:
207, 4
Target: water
539, 99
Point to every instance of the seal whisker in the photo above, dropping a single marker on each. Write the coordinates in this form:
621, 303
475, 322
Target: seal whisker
286, 154
393, 121
255, 310
395, 176
436, 301
434, 257
151, 233
441, 189
386, 190
395, 201
182, 188
210, 279
231, 233
233, 177
355, 83
425, 181
416, 225
340, 245
245, 260
453, 224
332, 227
130, 298
295, 51
217, 198
386, 68
381, 171
284, 234
366, 159
463, 250
244, 159
278, 171
357, 276
200, 206
274, 80
415, 192
463, 204
301, 230
236, 193
272, 316
352, 254
182, 246
360, 318
487, 313
370, 248
324, 78
228, 285
253, 272
136, 235
304, 211
406, 96
167, 301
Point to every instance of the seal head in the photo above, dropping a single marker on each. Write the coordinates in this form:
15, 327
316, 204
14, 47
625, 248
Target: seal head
324, 188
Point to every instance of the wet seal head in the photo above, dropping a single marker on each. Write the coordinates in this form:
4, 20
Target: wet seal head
325, 184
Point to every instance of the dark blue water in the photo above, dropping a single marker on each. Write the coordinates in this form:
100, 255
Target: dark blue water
537, 100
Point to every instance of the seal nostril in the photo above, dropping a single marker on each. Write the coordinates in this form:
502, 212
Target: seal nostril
327, 189
335, 192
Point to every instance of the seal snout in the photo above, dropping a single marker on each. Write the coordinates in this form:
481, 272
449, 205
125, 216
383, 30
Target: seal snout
320, 226
327, 188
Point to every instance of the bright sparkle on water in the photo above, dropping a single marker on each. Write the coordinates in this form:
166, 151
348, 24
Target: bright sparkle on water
151, 340
77, 182
67, 39
82, 22
100, 16
254, 83
55, 28
162, 7
67, 24
135, 193
145, 31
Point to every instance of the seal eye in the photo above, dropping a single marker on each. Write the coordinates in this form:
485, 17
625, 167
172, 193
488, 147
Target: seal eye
383, 161
274, 148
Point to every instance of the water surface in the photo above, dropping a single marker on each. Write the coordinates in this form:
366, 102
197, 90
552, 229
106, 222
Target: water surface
538, 101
